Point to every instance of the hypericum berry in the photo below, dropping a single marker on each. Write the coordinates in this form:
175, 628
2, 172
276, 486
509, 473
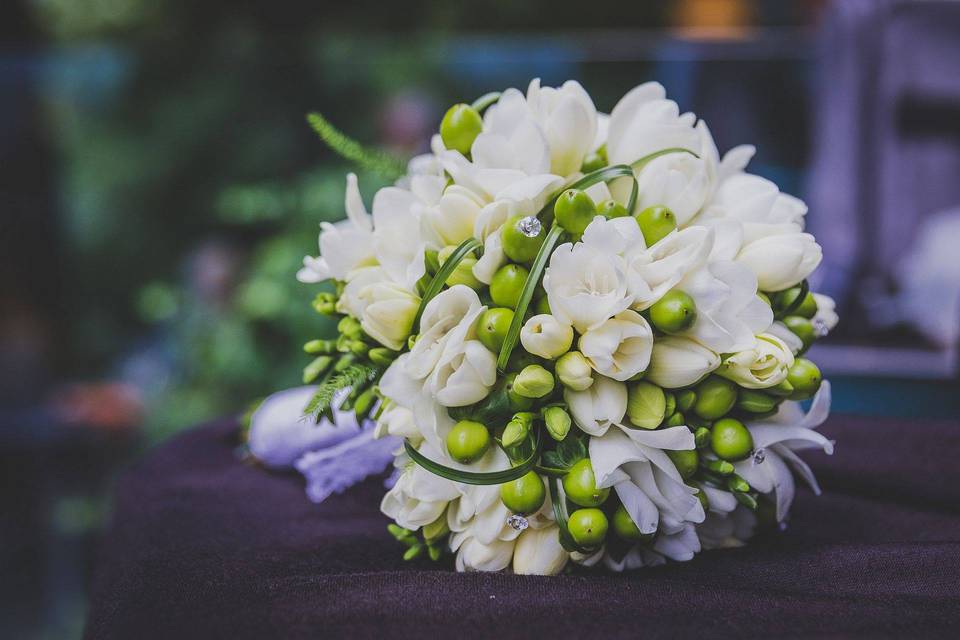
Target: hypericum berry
731, 440
715, 397
460, 126
685, 460
802, 328
468, 441
674, 312
626, 528
574, 210
521, 238
611, 209
805, 378
581, 487
656, 223
493, 326
507, 285
588, 527
524, 495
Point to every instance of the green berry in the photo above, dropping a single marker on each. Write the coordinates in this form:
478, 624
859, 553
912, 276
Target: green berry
611, 209
803, 329
785, 299
686, 461
805, 378
656, 223
574, 210
468, 441
460, 127
626, 528
518, 246
594, 161
754, 401
674, 312
525, 494
580, 485
507, 285
731, 440
493, 326
646, 405
588, 527
541, 305
715, 397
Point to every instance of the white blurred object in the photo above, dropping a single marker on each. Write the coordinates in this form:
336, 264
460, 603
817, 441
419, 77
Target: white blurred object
929, 279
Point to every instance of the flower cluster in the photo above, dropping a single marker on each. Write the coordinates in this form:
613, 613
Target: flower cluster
587, 328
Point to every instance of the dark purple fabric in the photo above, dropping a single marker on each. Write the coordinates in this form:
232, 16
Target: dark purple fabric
205, 546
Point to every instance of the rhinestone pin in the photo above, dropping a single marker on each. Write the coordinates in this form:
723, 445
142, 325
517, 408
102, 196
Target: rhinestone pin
529, 226
518, 522
759, 455
820, 328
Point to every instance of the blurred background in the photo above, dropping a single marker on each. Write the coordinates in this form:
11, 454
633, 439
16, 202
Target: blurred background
159, 188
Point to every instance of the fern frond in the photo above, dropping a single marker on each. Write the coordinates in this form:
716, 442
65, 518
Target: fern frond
379, 161
355, 375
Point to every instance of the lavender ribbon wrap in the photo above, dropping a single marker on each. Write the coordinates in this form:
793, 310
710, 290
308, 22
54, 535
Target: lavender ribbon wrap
332, 455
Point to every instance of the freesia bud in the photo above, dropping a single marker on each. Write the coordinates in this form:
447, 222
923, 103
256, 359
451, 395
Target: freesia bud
679, 362
545, 336
620, 347
388, 313
646, 405
558, 422
781, 256
533, 382
517, 429
538, 552
574, 371
763, 366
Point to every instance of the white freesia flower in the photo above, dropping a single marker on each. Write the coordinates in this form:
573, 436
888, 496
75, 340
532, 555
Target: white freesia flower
788, 337
538, 552
398, 243
619, 236
492, 259
779, 437
729, 313
780, 254
826, 317
344, 246
568, 120
448, 320
399, 387
644, 122
653, 272
464, 375
619, 348
451, 220
679, 362
545, 336
585, 285
473, 555
764, 365
350, 301
681, 181
679, 546
398, 421
388, 313
598, 407
419, 497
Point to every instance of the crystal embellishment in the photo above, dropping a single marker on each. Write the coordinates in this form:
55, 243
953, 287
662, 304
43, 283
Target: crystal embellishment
530, 226
759, 456
518, 522
820, 328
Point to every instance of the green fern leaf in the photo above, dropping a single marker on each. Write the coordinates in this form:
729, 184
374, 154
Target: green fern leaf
355, 375
378, 161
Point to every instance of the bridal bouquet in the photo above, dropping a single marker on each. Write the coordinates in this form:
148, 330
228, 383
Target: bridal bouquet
581, 335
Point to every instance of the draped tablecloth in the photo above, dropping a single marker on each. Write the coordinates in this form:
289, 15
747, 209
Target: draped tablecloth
203, 545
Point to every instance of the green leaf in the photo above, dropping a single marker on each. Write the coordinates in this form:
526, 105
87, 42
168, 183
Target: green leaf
572, 450
468, 245
526, 295
378, 161
472, 477
354, 375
